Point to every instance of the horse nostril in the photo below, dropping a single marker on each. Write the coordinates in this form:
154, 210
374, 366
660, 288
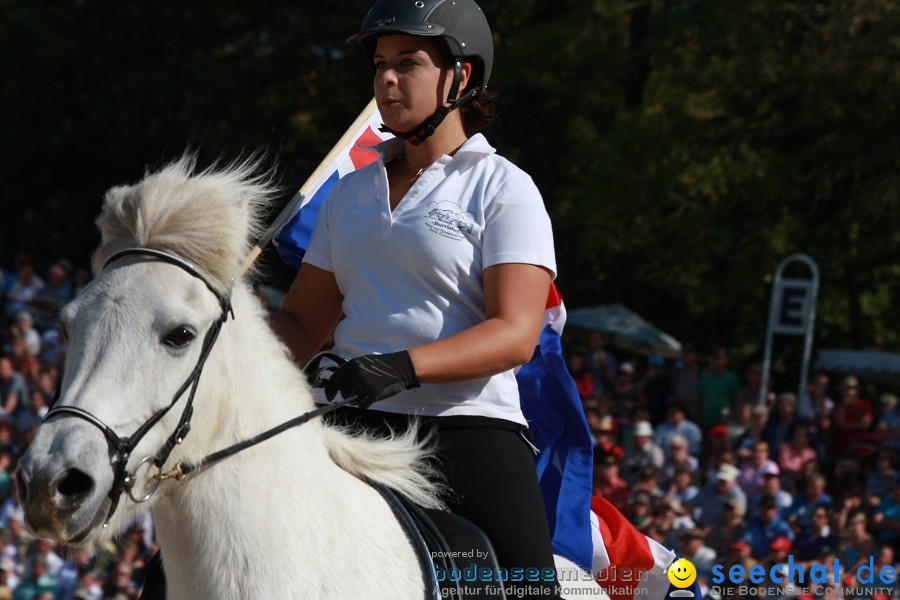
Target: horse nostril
75, 483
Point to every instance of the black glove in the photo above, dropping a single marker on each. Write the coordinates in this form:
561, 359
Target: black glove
372, 377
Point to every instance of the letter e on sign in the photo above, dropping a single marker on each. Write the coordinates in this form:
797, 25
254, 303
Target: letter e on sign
792, 311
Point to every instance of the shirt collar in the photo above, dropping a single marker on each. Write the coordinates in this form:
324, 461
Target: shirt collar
394, 148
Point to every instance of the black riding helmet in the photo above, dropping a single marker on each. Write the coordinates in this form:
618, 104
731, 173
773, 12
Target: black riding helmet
460, 24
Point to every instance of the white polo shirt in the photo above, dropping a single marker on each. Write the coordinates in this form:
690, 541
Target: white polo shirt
415, 275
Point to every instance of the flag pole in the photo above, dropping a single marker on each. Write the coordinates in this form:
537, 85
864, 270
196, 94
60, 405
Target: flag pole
285, 214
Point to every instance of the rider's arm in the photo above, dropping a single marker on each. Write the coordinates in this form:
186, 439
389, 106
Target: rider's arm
515, 295
309, 312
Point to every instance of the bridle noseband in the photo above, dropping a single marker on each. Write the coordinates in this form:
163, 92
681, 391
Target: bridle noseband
124, 446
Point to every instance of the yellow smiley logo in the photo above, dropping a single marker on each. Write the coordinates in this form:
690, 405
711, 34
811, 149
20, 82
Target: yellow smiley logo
682, 573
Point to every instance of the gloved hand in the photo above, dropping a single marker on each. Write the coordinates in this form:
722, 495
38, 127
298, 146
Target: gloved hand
372, 377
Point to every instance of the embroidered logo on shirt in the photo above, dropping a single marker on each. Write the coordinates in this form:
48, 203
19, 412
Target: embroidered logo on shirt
448, 220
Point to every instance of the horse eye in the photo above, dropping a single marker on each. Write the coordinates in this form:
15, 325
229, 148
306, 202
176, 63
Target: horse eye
179, 337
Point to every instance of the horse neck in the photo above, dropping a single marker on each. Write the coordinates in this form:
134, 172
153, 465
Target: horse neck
256, 512
248, 386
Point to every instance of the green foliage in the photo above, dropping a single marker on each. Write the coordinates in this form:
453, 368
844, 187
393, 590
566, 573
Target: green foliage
683, 147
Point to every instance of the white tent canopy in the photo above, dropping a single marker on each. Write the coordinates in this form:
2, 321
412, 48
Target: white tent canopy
878, 367
625, 329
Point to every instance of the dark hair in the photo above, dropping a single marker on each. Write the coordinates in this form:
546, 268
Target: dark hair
480, 112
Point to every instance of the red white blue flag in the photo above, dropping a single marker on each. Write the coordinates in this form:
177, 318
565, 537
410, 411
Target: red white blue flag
292, 239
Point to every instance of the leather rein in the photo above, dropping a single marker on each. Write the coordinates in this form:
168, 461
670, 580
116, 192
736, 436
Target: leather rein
123, 481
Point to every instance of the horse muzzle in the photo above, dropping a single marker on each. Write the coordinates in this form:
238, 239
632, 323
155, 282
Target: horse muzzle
61, 499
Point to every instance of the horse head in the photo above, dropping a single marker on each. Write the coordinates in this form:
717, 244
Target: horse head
139, 336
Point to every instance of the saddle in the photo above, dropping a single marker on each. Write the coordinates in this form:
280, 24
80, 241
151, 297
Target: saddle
457, 558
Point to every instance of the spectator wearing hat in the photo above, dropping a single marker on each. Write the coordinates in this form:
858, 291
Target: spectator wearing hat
607, 482
814, 495
719, 387
654, 389
672, 519
712, 498
677, 423
692, 548
716, 440
603, 428
772, 486
624, 391
818, 539
682, 488
729, 529
739, 554
643, 453
639, 509
764, 529
778, 551
686, 382
753, 471
888, 428
678, 457
792, 456
648, 482
852, 416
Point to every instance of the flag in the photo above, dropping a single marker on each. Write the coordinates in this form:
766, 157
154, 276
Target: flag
564, 463
292, 239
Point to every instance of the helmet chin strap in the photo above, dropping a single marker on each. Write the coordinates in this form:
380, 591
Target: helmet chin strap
423, 130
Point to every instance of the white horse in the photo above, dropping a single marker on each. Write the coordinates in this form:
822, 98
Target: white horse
292, 517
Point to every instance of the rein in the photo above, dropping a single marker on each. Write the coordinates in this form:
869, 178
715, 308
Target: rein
123, 481
182, 470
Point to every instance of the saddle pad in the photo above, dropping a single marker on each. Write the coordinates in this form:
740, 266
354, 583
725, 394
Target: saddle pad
457, 558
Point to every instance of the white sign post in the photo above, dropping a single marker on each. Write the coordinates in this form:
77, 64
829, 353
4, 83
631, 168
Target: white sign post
792, 311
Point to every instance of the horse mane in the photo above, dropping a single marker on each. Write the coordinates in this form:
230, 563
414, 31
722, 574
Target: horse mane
207, 218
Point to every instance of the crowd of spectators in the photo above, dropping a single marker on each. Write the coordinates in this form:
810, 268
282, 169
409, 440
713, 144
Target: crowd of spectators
708, 463
31, 355
698, 458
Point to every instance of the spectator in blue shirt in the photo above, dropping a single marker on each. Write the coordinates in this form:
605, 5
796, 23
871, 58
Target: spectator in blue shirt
804, 502
677, 423
766, 528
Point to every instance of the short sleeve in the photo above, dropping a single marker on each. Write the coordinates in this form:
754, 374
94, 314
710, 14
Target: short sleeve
319, 252
517, 226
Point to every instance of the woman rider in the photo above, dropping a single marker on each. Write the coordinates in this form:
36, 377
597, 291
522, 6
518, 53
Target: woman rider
439, 257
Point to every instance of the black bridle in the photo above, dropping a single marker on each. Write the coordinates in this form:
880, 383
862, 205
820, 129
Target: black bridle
124, 446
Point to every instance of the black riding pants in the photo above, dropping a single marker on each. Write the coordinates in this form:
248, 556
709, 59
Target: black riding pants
488, 465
